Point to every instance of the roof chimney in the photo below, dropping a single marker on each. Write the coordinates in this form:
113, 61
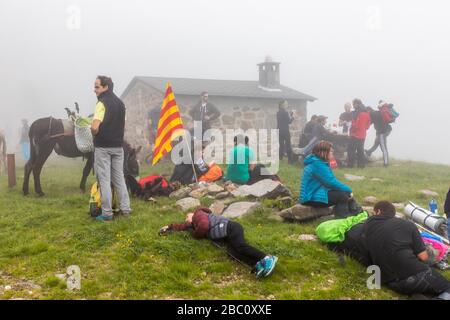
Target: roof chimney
269, 73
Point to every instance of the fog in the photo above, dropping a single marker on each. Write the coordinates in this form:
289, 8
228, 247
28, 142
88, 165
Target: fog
398, 51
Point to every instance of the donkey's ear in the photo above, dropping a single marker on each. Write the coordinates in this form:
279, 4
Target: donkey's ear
138, 149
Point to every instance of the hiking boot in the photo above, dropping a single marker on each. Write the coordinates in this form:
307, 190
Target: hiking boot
259, 268
269, 265
104, 218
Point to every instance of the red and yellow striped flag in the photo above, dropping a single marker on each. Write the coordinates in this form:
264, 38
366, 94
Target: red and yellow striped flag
170, 126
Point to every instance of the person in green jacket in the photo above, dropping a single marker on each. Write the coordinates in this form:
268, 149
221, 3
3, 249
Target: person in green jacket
319, 186
241, 161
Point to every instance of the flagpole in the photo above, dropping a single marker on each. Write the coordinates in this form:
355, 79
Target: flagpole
190, 155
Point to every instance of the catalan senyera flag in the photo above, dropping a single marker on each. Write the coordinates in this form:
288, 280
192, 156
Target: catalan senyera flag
170, 125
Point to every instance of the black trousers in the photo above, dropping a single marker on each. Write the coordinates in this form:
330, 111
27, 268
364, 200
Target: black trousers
355, 153
338, 199
285, 145
239, 248
426, 282
182, 173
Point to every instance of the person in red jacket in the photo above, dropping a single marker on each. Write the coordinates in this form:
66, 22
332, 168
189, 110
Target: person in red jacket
358, 131
203, 224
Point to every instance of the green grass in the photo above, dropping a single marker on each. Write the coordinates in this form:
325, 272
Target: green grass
126, 259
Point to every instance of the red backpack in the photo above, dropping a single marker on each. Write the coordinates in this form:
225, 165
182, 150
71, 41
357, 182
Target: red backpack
388, 114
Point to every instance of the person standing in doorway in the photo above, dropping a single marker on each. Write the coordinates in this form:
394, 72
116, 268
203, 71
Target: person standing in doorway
204, 113
108, 127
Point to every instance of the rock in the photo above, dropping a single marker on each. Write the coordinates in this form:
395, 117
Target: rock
376, 179
239, 209
222, 195
400, 215
199, 193
214, 189
307, 237
368, 209
217, 207
303, 237
300, 213
275, 217
230, 187
188, 203
266, 188
285, 202
180, 193
351, 177
428, 193
399, 206
370, 200
61, 276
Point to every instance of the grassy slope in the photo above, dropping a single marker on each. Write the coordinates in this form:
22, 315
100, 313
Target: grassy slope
126, 259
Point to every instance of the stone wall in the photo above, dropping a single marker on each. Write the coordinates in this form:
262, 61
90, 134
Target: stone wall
236, 112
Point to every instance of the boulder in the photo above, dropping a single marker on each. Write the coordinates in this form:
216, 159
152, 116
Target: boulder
307, 237
399, 206
222, 195
239, 209
370, 200
300, 213
217, 207
199, 193
266, 188
428, 193
230, 187
188, 203
352, 177
214, 189
180, 193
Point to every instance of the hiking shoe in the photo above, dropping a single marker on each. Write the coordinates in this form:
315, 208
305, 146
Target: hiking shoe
259, 268
103, 218
269, 265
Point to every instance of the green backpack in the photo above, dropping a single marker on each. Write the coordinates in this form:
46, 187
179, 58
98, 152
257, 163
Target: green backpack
334, 230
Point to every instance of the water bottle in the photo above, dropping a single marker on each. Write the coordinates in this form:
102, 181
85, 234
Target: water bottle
433, 206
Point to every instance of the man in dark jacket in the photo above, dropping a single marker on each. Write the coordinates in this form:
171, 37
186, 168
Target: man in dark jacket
284, 119
108, 127
203, 113
203, 224
382, 130
396, 247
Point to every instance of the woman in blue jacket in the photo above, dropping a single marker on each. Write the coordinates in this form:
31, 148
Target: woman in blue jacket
319, 187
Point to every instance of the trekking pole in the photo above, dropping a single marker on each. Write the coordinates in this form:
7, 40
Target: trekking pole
192, 160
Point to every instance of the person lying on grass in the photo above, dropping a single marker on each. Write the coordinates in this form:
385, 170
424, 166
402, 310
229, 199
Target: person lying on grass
395, 245
203, 224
